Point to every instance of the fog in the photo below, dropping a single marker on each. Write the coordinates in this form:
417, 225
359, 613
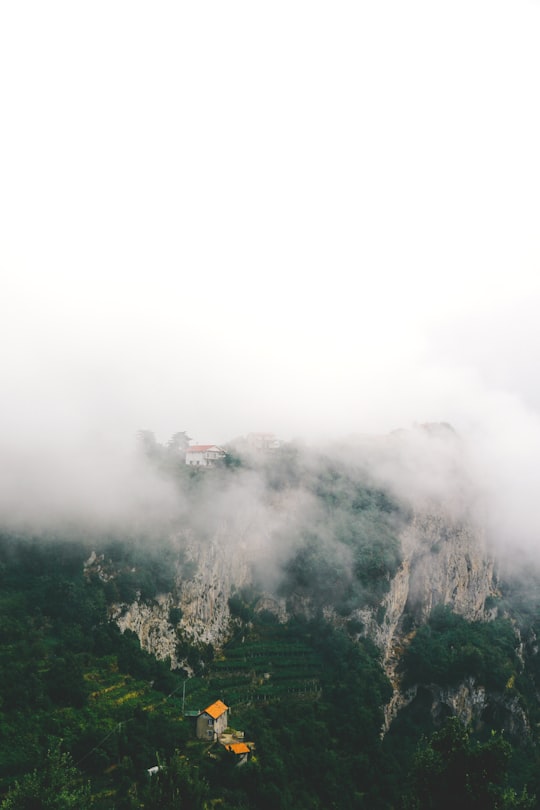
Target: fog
315, 221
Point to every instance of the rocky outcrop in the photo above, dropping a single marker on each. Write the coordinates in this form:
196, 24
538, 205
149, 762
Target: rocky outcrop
204, 598
474, 705
273, 605
202, 601
449, 565
444, 563
468, 701
150, 621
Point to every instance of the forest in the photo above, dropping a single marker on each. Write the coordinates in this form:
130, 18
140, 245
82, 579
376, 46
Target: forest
86, 713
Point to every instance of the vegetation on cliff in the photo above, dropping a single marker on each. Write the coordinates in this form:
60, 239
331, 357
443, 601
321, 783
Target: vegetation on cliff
85, 712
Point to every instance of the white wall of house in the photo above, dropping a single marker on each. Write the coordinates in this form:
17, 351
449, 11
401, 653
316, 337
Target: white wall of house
204, 458
210, 729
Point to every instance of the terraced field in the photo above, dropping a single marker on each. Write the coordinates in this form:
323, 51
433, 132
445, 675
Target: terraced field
113, 693
273, 662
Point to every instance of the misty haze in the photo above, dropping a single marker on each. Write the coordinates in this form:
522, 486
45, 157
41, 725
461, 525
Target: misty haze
270, 410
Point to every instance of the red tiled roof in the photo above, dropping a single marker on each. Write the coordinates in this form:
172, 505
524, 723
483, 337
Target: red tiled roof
200, 448
216, 709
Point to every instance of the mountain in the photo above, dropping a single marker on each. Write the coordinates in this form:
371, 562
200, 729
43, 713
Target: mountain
341, 610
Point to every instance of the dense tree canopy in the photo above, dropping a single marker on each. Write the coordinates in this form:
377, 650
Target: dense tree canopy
450, 771
448, 648
85, 712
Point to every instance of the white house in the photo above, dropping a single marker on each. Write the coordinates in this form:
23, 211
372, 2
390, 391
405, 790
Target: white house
204, 455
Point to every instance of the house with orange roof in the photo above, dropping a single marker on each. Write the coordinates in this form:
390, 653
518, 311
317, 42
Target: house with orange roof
240, 750
204, 455
212, 721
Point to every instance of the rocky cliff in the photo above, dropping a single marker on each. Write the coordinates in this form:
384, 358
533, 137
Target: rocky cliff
443, 562
200, 600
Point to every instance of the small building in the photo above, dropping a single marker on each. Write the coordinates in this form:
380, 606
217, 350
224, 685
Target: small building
263, 442
204, 455
240, 750
212, 721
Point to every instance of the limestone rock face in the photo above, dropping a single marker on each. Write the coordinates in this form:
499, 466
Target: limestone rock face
467, 701
444, 563
449, 566
472, 704
202, 598
151, 624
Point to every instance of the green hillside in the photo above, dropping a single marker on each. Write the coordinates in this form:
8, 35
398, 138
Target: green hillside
85, 713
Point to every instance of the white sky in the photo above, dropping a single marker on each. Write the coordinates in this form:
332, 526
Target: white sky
301, 217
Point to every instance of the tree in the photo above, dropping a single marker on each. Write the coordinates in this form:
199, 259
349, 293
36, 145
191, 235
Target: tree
452, 771
177, 786
179, 442
149, 445
65, 681
55, 786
